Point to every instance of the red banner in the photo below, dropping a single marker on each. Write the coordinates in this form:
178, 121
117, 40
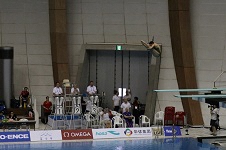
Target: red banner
77, 134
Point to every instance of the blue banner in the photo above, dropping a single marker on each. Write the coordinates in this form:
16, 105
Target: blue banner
168, 130
19, 136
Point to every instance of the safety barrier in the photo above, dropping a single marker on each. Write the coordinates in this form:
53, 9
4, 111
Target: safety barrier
106, 133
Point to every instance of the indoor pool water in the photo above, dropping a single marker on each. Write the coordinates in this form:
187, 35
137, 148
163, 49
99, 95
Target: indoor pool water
130, 144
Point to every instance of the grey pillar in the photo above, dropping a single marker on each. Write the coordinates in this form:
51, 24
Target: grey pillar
6, 72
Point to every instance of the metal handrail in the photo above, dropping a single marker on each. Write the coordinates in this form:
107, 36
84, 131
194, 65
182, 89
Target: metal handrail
214, 82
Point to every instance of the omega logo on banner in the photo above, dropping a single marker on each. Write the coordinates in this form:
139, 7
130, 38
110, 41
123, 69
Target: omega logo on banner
77, 134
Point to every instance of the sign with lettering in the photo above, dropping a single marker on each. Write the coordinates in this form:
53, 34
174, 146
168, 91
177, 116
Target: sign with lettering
21, 136
77, 134
172, 131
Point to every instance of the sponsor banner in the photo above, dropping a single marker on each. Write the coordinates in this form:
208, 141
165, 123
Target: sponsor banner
46, 135
21, 136
138, 132
168, 130
108, 133
122, 133
77, 134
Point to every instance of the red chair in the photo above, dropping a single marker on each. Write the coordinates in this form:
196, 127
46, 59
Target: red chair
169, 115
180, 118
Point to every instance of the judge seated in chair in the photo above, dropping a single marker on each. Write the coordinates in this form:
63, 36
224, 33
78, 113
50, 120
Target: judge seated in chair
75, 90
57, 90
91, 89
128, 118
12, 116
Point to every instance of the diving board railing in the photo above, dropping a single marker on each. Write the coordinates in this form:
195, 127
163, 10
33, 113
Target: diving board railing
214, 82
190, 90
201, 96
34, 103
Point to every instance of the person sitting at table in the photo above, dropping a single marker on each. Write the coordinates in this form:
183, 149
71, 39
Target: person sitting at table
12, 116
24, 97
47, 105
128, 118
75, 90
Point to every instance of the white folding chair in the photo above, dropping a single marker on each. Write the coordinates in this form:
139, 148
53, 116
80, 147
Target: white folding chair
144, 120
159, 117
118, 114
117, 120
114, 113
91, 121
88, 119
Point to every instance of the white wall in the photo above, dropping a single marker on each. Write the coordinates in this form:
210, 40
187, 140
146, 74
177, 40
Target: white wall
24, 24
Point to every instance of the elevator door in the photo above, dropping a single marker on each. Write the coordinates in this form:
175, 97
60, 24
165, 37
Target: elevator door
111, 70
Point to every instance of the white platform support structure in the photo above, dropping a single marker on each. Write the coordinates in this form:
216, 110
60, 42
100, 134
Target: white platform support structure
92, 119
58, 121
75, 120
34, 105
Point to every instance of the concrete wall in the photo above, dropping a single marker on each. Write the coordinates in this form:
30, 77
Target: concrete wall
208, 22
24, 24
123, 21
129, 21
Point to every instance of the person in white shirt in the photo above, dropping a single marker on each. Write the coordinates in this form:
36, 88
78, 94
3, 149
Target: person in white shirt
75, 90
125, 105
57, 90
116, 100
91, 89
127, 96
214, 119
105, 119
